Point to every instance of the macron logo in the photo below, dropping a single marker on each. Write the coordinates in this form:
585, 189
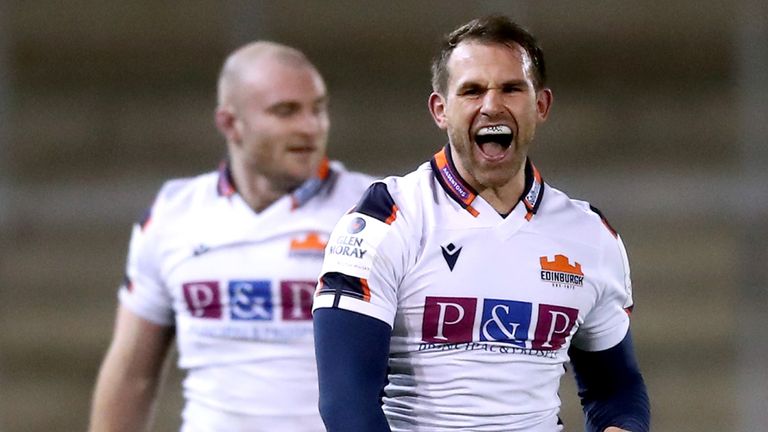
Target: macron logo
451, 254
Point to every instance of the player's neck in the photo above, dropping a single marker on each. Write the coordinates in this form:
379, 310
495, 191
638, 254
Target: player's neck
503, 199
257, 190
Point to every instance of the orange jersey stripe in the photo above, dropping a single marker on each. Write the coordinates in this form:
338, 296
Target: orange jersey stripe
366, 290
392, 216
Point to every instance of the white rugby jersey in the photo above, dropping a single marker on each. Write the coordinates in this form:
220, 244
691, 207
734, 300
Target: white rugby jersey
482, 308
238, 285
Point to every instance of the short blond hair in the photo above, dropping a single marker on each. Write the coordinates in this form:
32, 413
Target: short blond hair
248, 55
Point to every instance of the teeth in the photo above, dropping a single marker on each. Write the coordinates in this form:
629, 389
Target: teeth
495, 130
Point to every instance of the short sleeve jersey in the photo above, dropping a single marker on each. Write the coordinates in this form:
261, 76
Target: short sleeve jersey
483, 308
238, 285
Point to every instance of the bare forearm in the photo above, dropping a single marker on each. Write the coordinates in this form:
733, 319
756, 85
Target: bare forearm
130, 375
123, 410
122, 402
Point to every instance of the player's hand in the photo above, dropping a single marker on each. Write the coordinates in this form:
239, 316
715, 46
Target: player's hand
615, 429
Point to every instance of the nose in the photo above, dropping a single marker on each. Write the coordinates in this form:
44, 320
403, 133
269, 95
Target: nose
312, 123
492, 103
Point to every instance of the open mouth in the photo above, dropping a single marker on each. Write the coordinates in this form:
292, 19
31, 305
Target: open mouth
493, 141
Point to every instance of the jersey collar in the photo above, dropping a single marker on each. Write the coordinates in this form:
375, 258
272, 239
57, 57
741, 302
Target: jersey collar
226, 186
461, 192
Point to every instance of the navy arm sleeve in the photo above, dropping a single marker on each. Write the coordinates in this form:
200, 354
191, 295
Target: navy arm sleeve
611, 388
352, 356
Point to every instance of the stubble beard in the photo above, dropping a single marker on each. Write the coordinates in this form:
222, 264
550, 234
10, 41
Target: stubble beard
479, 173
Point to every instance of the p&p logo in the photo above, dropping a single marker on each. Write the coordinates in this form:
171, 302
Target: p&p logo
250, 300
452, 320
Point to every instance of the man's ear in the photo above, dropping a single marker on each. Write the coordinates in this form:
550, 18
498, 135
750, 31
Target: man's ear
436, 104
226, 123
543, 103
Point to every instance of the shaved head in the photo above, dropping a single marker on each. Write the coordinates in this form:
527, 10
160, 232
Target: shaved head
252, 56
272, 112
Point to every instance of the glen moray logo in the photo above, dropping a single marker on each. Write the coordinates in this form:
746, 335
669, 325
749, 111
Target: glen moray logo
559, 272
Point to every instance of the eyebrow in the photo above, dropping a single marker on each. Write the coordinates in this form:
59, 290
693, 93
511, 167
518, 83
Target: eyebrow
284, 104
514, 82
293, 103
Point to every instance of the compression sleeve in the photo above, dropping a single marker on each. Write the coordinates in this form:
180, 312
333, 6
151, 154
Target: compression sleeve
352, 354
611, 388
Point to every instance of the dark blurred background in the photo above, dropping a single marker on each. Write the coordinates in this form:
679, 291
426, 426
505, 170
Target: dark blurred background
659, 120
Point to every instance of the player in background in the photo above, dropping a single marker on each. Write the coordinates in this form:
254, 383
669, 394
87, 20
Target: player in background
226, 263
463, 288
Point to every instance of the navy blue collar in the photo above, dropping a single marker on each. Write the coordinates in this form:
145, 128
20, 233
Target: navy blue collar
464, 194
226, 185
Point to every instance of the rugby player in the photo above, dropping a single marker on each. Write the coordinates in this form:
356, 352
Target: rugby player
226, 263
452, 298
